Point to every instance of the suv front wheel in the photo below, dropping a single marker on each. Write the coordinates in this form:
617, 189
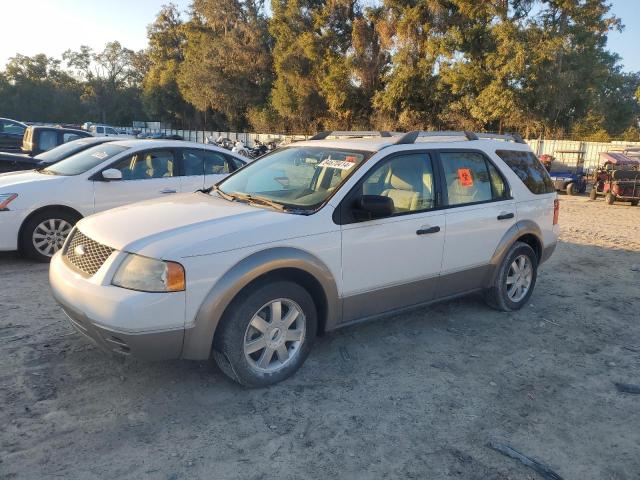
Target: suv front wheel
515, 279
266, 333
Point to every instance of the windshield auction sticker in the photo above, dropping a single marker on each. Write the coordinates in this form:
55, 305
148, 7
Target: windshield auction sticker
100, 155
342, 165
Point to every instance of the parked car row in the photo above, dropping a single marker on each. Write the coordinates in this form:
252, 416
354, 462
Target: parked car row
342, 228
38, 208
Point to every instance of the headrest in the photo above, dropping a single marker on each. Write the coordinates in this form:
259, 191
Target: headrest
406, 174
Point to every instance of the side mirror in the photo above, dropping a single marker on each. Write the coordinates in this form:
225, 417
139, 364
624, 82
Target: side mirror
112, 174
375, 206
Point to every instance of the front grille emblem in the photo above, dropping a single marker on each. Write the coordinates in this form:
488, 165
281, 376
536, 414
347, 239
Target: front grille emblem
79, 250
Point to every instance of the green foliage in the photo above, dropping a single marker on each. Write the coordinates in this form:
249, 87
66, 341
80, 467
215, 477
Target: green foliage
160, 91
227, 58
539, 67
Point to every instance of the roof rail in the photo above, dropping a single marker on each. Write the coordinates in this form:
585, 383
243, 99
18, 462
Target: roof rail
411, 137
354, 134
513, 137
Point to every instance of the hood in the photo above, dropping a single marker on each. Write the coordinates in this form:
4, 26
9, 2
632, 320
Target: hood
11, 179
188, 225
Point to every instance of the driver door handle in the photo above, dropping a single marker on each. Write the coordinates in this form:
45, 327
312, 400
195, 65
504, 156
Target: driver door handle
168, 190
427, 230
506, 216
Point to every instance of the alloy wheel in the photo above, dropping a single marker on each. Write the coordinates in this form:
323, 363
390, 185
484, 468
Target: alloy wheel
274, 335
519, 278
49, 236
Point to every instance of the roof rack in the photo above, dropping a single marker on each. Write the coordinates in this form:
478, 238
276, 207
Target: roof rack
354, 134
411, 137
513, 137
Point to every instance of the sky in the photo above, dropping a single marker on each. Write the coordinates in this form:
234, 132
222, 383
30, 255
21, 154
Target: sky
53, 26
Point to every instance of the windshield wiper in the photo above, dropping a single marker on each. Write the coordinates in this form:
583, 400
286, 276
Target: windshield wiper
215, 188
255, 200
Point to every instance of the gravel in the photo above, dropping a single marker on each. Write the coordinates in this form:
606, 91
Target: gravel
417, 395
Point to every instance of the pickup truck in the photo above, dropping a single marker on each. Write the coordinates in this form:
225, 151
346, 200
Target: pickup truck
39, 139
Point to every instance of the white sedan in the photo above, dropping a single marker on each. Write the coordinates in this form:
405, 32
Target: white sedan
38, 208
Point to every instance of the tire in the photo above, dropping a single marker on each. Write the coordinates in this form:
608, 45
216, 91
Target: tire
610, 198
593, 194
237, 336
634, 203
49, 226
500, 295
572, 189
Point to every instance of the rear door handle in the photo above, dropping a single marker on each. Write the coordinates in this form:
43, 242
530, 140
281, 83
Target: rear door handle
168, 190
425, 231
505, 216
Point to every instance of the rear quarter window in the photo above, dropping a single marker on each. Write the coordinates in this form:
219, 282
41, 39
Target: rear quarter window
529, 169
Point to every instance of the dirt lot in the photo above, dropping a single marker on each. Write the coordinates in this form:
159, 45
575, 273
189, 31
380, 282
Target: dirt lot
418, 395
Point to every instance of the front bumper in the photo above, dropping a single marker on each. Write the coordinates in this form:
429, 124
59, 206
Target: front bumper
10, 222
145, 325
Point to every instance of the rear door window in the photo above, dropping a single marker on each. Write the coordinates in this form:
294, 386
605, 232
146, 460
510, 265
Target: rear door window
468, 179
529, 169
215, 163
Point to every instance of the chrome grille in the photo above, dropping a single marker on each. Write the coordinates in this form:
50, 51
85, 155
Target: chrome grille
85, 254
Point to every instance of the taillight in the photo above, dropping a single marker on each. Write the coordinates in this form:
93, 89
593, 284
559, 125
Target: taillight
556, 211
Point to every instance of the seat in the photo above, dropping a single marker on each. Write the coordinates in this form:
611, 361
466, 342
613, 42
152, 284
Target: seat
139, 170
157, 166
405, 183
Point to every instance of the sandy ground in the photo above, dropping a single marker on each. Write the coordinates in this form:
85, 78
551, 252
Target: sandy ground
417, 395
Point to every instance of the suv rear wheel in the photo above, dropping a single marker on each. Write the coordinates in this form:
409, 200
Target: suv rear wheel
44, 233
515, 279
266, 334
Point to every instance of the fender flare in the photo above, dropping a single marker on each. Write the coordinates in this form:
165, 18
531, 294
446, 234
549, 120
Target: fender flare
198, 340
517, 230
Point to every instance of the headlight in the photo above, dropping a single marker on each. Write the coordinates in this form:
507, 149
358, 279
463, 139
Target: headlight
6, 199
149, 275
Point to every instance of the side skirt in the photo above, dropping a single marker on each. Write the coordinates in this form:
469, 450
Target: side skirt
399, 310
397, 298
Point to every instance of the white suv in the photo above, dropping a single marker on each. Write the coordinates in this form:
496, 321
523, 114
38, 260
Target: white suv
38, 208
309, 238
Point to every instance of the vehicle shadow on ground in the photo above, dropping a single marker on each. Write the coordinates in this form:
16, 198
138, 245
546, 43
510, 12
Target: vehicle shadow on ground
414, 395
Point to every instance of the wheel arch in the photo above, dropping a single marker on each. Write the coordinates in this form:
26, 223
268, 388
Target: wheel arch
525, 231
64, 208
281, 263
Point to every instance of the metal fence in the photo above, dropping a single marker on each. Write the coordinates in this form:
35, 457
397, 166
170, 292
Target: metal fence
591, 150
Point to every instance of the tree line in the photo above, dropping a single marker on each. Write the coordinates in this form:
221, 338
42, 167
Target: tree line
538, 67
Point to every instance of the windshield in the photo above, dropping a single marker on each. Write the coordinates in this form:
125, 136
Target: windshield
301, 177
60, 152
84, 160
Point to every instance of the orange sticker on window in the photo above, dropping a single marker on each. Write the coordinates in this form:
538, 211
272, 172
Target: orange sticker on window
464, 175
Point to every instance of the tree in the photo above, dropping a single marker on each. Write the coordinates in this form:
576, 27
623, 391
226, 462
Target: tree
107, 76
227, 58
161, 94
296, 94
35, 88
